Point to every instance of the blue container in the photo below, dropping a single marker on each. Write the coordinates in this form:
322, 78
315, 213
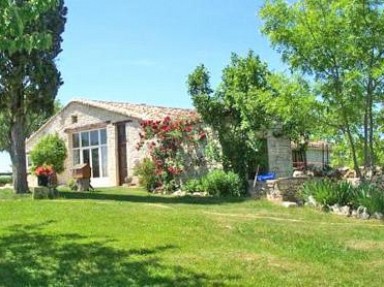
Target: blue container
266, 176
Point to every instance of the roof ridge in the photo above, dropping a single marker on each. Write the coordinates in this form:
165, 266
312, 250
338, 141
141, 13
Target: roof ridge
129, 103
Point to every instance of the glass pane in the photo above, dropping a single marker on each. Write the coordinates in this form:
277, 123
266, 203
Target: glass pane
76, 156
104, 160
85, 139
75, 140
29, 162
95, 163
94, 137
103, 136
85, 155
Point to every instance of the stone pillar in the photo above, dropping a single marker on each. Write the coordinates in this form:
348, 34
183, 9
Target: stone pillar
83, 184
279, 155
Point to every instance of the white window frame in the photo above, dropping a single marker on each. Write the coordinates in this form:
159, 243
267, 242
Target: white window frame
99, 146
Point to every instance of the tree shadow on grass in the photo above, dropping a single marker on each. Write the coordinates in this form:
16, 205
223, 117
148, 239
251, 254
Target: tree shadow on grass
150, 198
31, 257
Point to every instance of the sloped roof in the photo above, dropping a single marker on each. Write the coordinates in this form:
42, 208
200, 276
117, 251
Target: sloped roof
318, 145
140, 111
137, 111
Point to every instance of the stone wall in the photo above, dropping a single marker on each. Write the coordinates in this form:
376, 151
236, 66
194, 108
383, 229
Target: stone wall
317, 156
133, 155
284, 189
86, 116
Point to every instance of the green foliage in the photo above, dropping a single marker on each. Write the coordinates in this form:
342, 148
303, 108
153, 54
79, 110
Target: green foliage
15, 19
341, 154
36, 120
233, 111
146, 172
212, 152
249, 101
72, 184
327, 192
5, 180
181, 241
30, 41
292, 105
175, 147
339, 45
193, 185
218, 183
50, 150
369, 196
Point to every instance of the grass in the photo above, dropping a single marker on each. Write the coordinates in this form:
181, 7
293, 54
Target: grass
125, 237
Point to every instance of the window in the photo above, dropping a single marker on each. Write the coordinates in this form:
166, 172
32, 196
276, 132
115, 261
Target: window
94, 137
29, 161
76, 140
85, 139
74, 119
91, 147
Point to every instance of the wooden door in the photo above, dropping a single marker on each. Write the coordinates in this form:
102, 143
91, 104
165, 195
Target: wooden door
122, 152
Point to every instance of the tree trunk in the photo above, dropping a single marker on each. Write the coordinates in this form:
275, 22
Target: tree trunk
370, 139
353, 150
18, 156
366, 134
368, 128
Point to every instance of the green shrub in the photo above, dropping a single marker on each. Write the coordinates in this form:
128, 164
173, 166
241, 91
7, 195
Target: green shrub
146, 172
235, 184
50, 150
170, 186
5, 180
344, 193
369, 196
328, 192
218, 182
72, 184
193, 185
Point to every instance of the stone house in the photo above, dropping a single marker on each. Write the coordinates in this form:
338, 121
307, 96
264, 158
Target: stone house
317, 154
105, 134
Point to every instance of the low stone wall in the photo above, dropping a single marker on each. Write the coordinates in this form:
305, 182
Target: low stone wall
284, 189
43, 192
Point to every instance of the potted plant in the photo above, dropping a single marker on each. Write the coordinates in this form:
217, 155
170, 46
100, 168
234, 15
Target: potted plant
43, 172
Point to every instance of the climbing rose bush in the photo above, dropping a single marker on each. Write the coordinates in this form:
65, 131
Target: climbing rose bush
173, 145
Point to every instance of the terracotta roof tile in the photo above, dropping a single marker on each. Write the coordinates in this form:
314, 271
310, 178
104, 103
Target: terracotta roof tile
315, 145
140, 111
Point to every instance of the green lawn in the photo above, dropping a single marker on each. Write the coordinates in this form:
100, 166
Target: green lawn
125, 237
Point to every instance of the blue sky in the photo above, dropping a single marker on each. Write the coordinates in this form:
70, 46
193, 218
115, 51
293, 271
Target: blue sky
141, 51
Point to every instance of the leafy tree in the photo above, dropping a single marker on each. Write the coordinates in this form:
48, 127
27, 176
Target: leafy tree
340, 45
250, 101
30, 38
292, 105
36, 120
50, 150
233, 110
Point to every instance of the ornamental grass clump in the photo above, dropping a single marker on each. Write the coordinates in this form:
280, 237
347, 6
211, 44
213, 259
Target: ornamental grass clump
327, 192
369, 196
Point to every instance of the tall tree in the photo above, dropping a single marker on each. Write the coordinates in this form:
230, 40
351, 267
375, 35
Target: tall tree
233, 110
30, 37
340, 43
292, 105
